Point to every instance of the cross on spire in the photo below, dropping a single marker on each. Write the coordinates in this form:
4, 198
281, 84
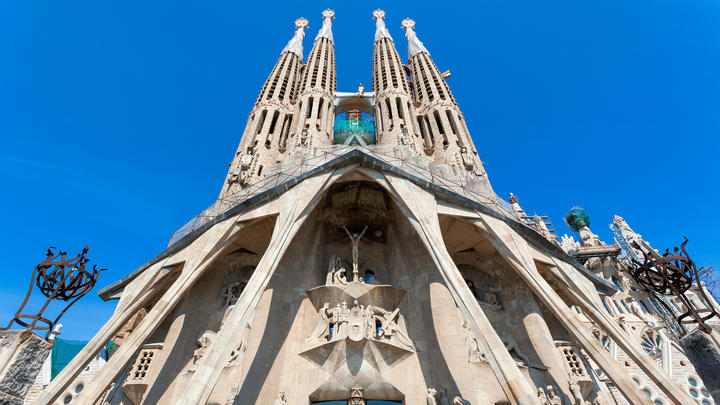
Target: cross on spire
415, 46
326, 30
380, 30
295, 44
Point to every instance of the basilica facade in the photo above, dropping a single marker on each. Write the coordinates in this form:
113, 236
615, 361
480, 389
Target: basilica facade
357, 254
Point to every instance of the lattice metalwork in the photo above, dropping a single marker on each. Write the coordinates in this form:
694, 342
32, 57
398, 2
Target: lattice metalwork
57, 278
673, 273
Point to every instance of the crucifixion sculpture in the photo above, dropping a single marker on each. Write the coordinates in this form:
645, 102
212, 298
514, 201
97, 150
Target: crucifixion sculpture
355, 240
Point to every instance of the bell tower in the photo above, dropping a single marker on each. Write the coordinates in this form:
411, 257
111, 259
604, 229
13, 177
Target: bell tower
266, 134
442, 124
313, 124
394, 110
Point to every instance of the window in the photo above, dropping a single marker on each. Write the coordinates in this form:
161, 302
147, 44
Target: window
618, 283
369, 276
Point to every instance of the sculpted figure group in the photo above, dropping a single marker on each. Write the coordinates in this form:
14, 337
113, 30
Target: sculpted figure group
358, 322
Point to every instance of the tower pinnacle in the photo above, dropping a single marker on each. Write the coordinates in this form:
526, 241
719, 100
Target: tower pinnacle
295, 44
380, 30
414, 45
326, 30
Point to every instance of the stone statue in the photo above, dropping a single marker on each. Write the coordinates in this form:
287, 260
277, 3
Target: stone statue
431, 396
355, 240
235, 354
204, 341
231, 292
444, 400
343, 314
246, 161
491, 298
553, 398
475, 354
458, 400
361, 90
512, 347
542, 396
281, 399
389, 328
466, 158
336, 272
322, 330
405, 138
371, 328
302, 141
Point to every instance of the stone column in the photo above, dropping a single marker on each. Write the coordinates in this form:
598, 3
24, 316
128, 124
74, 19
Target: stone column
209, 247
60, 383
517, 253
298, 204
22, 354
419, 208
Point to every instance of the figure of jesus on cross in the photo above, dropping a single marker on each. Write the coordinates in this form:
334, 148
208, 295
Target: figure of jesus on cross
355, 240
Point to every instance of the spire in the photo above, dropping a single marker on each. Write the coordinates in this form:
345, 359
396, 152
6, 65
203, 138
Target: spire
414, 45
380, 30
326, 30
295, 45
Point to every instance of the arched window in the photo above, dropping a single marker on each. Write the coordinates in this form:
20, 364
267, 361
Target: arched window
652, 343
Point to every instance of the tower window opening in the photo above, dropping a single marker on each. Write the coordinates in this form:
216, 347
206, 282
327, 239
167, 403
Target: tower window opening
310, 107
426, 121
273, 122
423, 131
260, 169
453, 125
399, 108
261, 122
320, 110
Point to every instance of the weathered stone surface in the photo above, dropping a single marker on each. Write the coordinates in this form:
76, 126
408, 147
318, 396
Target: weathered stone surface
20, 362
705, 355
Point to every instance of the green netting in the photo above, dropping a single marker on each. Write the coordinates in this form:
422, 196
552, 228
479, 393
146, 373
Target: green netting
576, 218
64, 350
354, 132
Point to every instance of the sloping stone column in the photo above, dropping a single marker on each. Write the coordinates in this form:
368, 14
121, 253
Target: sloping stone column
517, 253
22, 354
298, 205
420, 210
211, 244
60, 383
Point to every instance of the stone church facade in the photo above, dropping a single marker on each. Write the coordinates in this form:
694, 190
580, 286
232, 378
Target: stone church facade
360, 273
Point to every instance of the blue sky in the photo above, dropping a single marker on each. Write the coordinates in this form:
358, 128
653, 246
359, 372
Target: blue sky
118, 119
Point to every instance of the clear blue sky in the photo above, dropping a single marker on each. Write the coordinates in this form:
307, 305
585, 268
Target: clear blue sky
118, 119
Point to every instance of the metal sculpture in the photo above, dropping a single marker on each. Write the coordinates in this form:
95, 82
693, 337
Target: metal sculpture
58, 278
673, 273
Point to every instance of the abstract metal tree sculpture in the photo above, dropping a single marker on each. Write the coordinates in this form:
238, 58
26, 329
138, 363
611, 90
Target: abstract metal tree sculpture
58, 278
673, 273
